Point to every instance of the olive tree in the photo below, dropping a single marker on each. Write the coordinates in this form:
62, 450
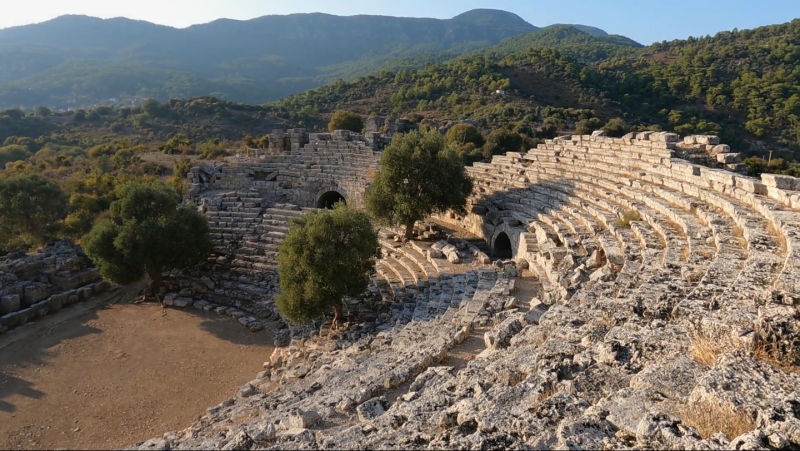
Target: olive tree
418, 176
147, 233
327, 255
30, 210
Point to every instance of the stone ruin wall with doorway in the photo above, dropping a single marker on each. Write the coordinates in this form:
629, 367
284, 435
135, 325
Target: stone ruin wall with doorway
250, 203
299, 168
661, 285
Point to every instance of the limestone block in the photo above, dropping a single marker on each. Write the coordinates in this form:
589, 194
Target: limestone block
34, 293
781, 181
299, 419
728, 158
9, 303
706, 139
55, 303
169, 299
664, 137
750, 185
434, 253
182, 302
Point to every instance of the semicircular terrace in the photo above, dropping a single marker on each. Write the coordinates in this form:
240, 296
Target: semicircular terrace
665, 309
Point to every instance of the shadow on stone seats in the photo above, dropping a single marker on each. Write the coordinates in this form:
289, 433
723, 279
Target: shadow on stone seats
330, 198
514, 207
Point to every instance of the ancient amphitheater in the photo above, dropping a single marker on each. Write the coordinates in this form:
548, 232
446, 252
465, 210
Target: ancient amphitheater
661, 304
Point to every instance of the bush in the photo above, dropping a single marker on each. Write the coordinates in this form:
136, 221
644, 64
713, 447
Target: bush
616, 128
327, 255
344, 120
461, 134
505, 140
30, 209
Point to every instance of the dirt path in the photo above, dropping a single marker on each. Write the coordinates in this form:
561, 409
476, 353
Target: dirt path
116, 374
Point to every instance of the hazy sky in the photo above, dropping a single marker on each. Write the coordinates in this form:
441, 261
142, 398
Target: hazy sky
643, 20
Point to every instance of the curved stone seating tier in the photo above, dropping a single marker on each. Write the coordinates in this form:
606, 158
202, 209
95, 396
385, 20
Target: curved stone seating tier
765, 266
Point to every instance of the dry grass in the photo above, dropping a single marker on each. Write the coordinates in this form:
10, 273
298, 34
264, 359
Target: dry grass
761, 352
627, 217
709, 419
704, 350
779, 238
547, 394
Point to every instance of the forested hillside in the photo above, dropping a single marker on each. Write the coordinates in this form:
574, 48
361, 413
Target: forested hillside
742, 85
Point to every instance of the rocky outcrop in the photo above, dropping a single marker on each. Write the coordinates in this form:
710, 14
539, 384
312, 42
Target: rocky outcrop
44, 282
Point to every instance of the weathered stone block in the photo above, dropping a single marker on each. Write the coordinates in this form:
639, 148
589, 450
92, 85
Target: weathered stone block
34, 293
728, 158
9, 303
781, 181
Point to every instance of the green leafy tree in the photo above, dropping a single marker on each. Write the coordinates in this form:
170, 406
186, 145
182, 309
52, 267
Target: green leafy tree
30, 209
13, 152
418, 176
327, 255
152, 108
616, 128
506, 140
461, 134
145, 232
345, 120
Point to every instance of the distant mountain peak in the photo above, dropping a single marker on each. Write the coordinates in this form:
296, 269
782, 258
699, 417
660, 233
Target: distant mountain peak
482, 15
594, 31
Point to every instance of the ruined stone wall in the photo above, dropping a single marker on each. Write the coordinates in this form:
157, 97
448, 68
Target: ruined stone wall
34, 285
300, 167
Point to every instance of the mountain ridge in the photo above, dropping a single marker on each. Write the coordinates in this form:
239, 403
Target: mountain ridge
292, 53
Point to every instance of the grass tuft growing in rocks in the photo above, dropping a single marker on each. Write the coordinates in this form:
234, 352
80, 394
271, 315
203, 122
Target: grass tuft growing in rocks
627, 217
762, 353
704, 350
709, 419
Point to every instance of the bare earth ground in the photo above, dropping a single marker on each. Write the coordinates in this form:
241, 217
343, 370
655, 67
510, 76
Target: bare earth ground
110, 375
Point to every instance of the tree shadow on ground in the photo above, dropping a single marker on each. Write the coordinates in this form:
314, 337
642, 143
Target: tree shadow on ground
30, 344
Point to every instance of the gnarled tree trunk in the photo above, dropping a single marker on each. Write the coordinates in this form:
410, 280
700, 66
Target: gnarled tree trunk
337, 313
409, 231
151, 292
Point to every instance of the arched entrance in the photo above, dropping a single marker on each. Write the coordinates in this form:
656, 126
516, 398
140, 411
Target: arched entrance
327, 199
502, 246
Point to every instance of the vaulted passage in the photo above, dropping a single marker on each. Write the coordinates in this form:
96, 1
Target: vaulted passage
328, 199
502, 246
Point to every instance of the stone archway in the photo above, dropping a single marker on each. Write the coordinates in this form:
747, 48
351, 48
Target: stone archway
501, 247
328, 198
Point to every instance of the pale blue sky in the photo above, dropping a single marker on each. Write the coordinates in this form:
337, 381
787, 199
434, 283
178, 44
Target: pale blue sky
643, 20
